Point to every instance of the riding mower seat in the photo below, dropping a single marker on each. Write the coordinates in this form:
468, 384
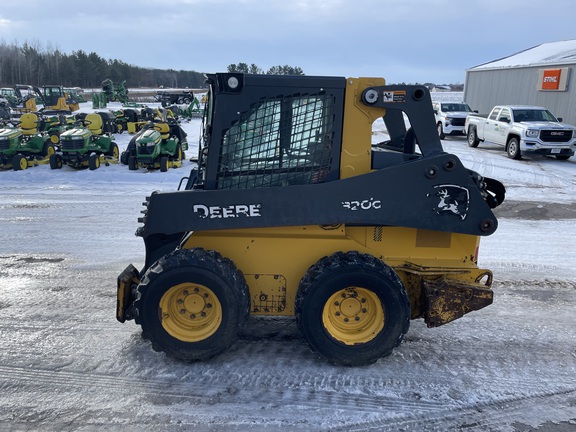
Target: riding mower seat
94, 123
164, 130
29, 124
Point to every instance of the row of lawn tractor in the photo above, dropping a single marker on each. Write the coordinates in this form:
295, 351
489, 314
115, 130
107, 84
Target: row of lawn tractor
87, 141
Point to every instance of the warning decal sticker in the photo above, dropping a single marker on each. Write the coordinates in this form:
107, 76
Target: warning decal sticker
394, 96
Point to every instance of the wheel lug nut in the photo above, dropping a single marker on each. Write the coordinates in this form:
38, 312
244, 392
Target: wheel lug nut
192, 316
336, 303
196, 290
337, 313
346, 320
182, 311
364, 310
209, 305
180, 301
185, 292
357, 318
203, 314
363, 300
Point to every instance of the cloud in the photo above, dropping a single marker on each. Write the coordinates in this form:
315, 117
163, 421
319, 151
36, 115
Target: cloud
402, 40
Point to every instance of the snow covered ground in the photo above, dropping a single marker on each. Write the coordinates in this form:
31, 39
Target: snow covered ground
66, 364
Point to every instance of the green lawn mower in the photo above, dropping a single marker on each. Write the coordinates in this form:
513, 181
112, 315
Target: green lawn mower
88, 144
54, 125
24, 146
159, 145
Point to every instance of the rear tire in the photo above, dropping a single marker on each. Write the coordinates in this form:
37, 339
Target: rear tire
113, 151
192, 304
562, 157
352, 308
48, 149
472, 137
54, 137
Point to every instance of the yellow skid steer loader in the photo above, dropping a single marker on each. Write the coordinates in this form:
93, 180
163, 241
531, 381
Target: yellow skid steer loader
294, 211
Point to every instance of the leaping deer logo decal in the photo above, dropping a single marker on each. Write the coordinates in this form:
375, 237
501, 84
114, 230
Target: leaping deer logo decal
452, 199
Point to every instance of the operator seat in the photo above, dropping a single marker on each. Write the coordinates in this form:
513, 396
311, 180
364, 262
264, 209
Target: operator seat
29, 123
164, 130
94, 123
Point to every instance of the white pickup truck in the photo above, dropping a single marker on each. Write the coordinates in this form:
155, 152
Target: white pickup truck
450, 117
522, 129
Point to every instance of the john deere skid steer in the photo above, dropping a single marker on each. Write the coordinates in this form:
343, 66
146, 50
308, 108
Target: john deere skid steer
294, 212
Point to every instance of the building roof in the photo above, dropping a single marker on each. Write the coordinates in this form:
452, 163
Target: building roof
552, 53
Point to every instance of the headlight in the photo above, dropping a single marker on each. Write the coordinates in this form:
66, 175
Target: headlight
448, 121
532, 133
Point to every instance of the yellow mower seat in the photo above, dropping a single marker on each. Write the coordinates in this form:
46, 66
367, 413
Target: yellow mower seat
94, 123
29, 123
164, 130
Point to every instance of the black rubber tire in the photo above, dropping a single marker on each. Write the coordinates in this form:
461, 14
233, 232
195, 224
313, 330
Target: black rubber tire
48, 149
93, 162
56, 161
19, 162
54, 137
197, 266
163, 164
441, 133
472, 137
113, 151
132, 163
513, 149
562, 157
352, 269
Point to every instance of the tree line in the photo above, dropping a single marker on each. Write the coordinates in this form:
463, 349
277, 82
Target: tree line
32, 65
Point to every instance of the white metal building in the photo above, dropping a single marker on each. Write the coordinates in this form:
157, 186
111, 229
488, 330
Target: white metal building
540, 76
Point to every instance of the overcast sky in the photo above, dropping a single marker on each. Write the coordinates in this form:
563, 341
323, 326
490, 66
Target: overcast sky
401, 40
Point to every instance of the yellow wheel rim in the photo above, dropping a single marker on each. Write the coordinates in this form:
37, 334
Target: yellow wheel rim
23, 163
190, 312
54, 139
115, 152
50, 151
353, 316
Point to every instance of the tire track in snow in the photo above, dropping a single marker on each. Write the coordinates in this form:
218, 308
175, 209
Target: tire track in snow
479, 416
207, 391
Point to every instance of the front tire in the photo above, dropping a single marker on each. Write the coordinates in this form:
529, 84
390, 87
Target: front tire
513, 149
163, 164
441, 131
192, 304
55, 161
19, 162
93, 162
352, 308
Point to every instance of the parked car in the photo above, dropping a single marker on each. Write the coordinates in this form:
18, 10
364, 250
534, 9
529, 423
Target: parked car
523, 129
450, 117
